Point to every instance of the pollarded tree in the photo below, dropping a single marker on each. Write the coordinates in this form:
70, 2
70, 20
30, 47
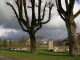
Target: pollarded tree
68, 16
34, 24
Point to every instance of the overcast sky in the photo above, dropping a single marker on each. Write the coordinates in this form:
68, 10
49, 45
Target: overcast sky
55, 29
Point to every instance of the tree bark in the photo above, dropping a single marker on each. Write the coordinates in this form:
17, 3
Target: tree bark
72, 37
33, 41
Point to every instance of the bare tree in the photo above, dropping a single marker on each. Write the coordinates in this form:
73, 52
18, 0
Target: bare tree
15, 43
10, 42
23, 40
0, 42
33, 25
4, 44
39, 40
68, 16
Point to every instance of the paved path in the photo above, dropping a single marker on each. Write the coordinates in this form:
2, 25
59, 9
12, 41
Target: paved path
8, 58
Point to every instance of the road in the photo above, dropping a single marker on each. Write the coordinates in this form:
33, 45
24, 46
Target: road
8, 58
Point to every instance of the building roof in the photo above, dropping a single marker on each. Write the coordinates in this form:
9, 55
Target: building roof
78, 35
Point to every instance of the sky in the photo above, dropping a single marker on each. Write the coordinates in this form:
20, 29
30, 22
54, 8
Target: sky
55, 29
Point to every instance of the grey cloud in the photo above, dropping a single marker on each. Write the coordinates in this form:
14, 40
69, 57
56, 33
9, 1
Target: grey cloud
57, 33
7, 19
55, 29
54, 34
6, 23
13, 35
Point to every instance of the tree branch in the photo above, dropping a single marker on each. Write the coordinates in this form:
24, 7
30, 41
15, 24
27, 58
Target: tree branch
25, 12
17, 3
71, 6
38, 28
44, 11
21, 10
62, 16
33, 13
13, 10
60, 10
50, 8
19, 19
39, 11
75, 15
66, 3
22, 26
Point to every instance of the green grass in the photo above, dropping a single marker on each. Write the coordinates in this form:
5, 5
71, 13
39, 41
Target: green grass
43, 54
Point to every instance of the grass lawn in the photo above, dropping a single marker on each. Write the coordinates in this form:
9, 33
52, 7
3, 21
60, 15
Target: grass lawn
43, 54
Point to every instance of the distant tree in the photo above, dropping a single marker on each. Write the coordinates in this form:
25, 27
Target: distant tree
33, 24
15, 43
39, 40
23, 40
4, 44
10, 42
68, 17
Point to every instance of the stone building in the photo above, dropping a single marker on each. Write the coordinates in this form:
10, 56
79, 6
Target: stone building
65, 42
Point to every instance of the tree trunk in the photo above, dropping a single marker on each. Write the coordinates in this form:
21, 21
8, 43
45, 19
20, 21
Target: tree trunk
72, 37
33, 41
